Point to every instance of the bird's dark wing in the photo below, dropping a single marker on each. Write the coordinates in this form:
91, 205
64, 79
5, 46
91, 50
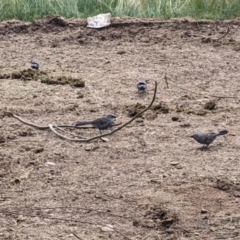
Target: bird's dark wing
209, 138
102, 123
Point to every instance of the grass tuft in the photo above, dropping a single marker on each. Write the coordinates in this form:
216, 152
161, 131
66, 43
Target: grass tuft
29, 10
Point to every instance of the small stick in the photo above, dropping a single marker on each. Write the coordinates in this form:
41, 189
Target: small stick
66, 220
77, 236
166, 81
209, 95
224, 35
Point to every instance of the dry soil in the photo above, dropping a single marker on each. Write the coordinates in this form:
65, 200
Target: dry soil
149, 180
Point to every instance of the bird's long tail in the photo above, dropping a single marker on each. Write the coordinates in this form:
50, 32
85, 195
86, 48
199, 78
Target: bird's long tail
222, 132
82, 123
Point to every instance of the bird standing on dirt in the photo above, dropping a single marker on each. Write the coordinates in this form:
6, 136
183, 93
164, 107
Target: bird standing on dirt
100, 123
141, 86
207, 138
34, 65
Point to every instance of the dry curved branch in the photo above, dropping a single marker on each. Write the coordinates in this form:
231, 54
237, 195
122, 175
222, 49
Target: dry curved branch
9, 114
83, 139
25, 122
106, 134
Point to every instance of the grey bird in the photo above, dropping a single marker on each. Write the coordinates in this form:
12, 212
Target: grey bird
142, 86
34, 65
207, 138
100, 123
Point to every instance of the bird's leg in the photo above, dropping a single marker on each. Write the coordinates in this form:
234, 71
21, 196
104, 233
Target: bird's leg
204, 147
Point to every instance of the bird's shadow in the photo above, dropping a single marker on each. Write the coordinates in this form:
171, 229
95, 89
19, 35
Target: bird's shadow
203, 148
208, 148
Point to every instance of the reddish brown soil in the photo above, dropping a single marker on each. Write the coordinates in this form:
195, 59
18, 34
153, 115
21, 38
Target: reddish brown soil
150, 180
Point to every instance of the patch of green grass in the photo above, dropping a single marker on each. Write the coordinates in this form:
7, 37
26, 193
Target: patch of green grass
28, 10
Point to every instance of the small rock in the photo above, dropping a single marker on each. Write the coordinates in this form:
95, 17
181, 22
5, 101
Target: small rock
38, 150
201, 112
175, 119
149, 223
91, 147
168, 222
236, 194
229, 227
107, 228
21, 218
184, 125
121, 52
104, 139
2, 139
174, 163
203, 211
50, 164
179, 167
170, 231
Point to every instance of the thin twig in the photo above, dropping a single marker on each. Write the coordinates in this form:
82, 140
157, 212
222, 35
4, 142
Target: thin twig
209, 95
77, 236
98, 211
166, 81
66, 220
224, 35
107, 134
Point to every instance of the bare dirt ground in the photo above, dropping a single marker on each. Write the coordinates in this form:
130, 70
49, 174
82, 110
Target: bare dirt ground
148, 181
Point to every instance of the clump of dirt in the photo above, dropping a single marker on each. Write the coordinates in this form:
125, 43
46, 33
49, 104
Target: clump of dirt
160, 108
2, 139
179, 109
229, 186
211, 105
64, 80
38, 150
133, 110
25, 75
56, 20
201, 112
157, 218
175, 118
30, 74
